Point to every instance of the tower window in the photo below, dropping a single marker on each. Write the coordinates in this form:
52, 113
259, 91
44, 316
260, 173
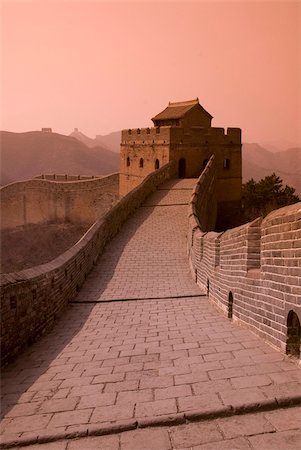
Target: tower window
148, 131
157, 164
128, 162
129, 131
141, 162
227, 163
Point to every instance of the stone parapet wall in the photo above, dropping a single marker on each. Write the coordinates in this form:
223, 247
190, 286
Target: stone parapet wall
257, 265
67, 177
44, 200
32, 299
194, 135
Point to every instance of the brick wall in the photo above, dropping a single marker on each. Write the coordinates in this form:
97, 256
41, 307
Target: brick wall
44, 200
32, 299
258, 263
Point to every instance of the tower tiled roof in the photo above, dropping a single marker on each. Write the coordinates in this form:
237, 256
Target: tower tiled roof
176, 110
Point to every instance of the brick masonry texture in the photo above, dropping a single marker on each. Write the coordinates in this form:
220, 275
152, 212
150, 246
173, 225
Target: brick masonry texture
147, 359
259, 263
31, 300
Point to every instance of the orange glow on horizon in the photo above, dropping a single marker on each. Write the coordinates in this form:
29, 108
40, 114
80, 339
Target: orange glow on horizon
103, 66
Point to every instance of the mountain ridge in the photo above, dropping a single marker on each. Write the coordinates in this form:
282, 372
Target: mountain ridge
25, 155
28, 154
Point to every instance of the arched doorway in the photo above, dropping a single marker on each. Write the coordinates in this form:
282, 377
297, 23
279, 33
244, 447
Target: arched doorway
182, 168
157, 164
293, 340
230, 305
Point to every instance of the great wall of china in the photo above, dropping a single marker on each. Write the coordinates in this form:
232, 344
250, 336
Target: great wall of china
31, 300
57, 198
251, 272
153, 318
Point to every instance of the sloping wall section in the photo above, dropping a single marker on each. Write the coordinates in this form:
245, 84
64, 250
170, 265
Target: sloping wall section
31, 300
252, 272
45, 200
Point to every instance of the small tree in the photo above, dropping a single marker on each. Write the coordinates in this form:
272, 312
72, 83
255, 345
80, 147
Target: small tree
262, 197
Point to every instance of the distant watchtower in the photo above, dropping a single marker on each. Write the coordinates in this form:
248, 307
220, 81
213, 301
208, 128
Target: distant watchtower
183, 132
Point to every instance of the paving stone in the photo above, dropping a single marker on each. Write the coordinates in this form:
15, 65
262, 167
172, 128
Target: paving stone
245, 425
28, 423
281, 390
80, 391
211, 386
250, 381
238, 397
58, 405
229, 444
186, 436
156, 382
156, 408
76, 417
77, 381
23, 409
150, 439
91, 401
173, 392
286, 377
128, 397
286, 440
193, 377
94, 443
121, 386
218, 356
199, 402
285, 419
112, 413
58, 445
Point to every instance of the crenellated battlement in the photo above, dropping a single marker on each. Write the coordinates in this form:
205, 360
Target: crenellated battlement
251, 271
145, 135
177, 135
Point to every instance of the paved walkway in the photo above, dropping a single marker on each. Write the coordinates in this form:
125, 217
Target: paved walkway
274, 430
148, 258
164, 355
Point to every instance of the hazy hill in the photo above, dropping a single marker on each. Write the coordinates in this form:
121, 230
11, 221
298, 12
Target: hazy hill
109, 141
25, 155
89, 142
258, 162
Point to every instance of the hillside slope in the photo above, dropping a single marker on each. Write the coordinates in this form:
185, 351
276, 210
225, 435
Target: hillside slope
108, 141
258, 162
25, 155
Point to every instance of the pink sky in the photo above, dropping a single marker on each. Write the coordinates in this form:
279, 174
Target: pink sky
103, 66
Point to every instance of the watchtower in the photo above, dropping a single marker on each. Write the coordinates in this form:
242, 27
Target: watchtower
183, 132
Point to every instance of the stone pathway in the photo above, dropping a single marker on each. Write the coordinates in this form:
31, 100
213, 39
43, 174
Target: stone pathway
163, 355
275, 430
148, 258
